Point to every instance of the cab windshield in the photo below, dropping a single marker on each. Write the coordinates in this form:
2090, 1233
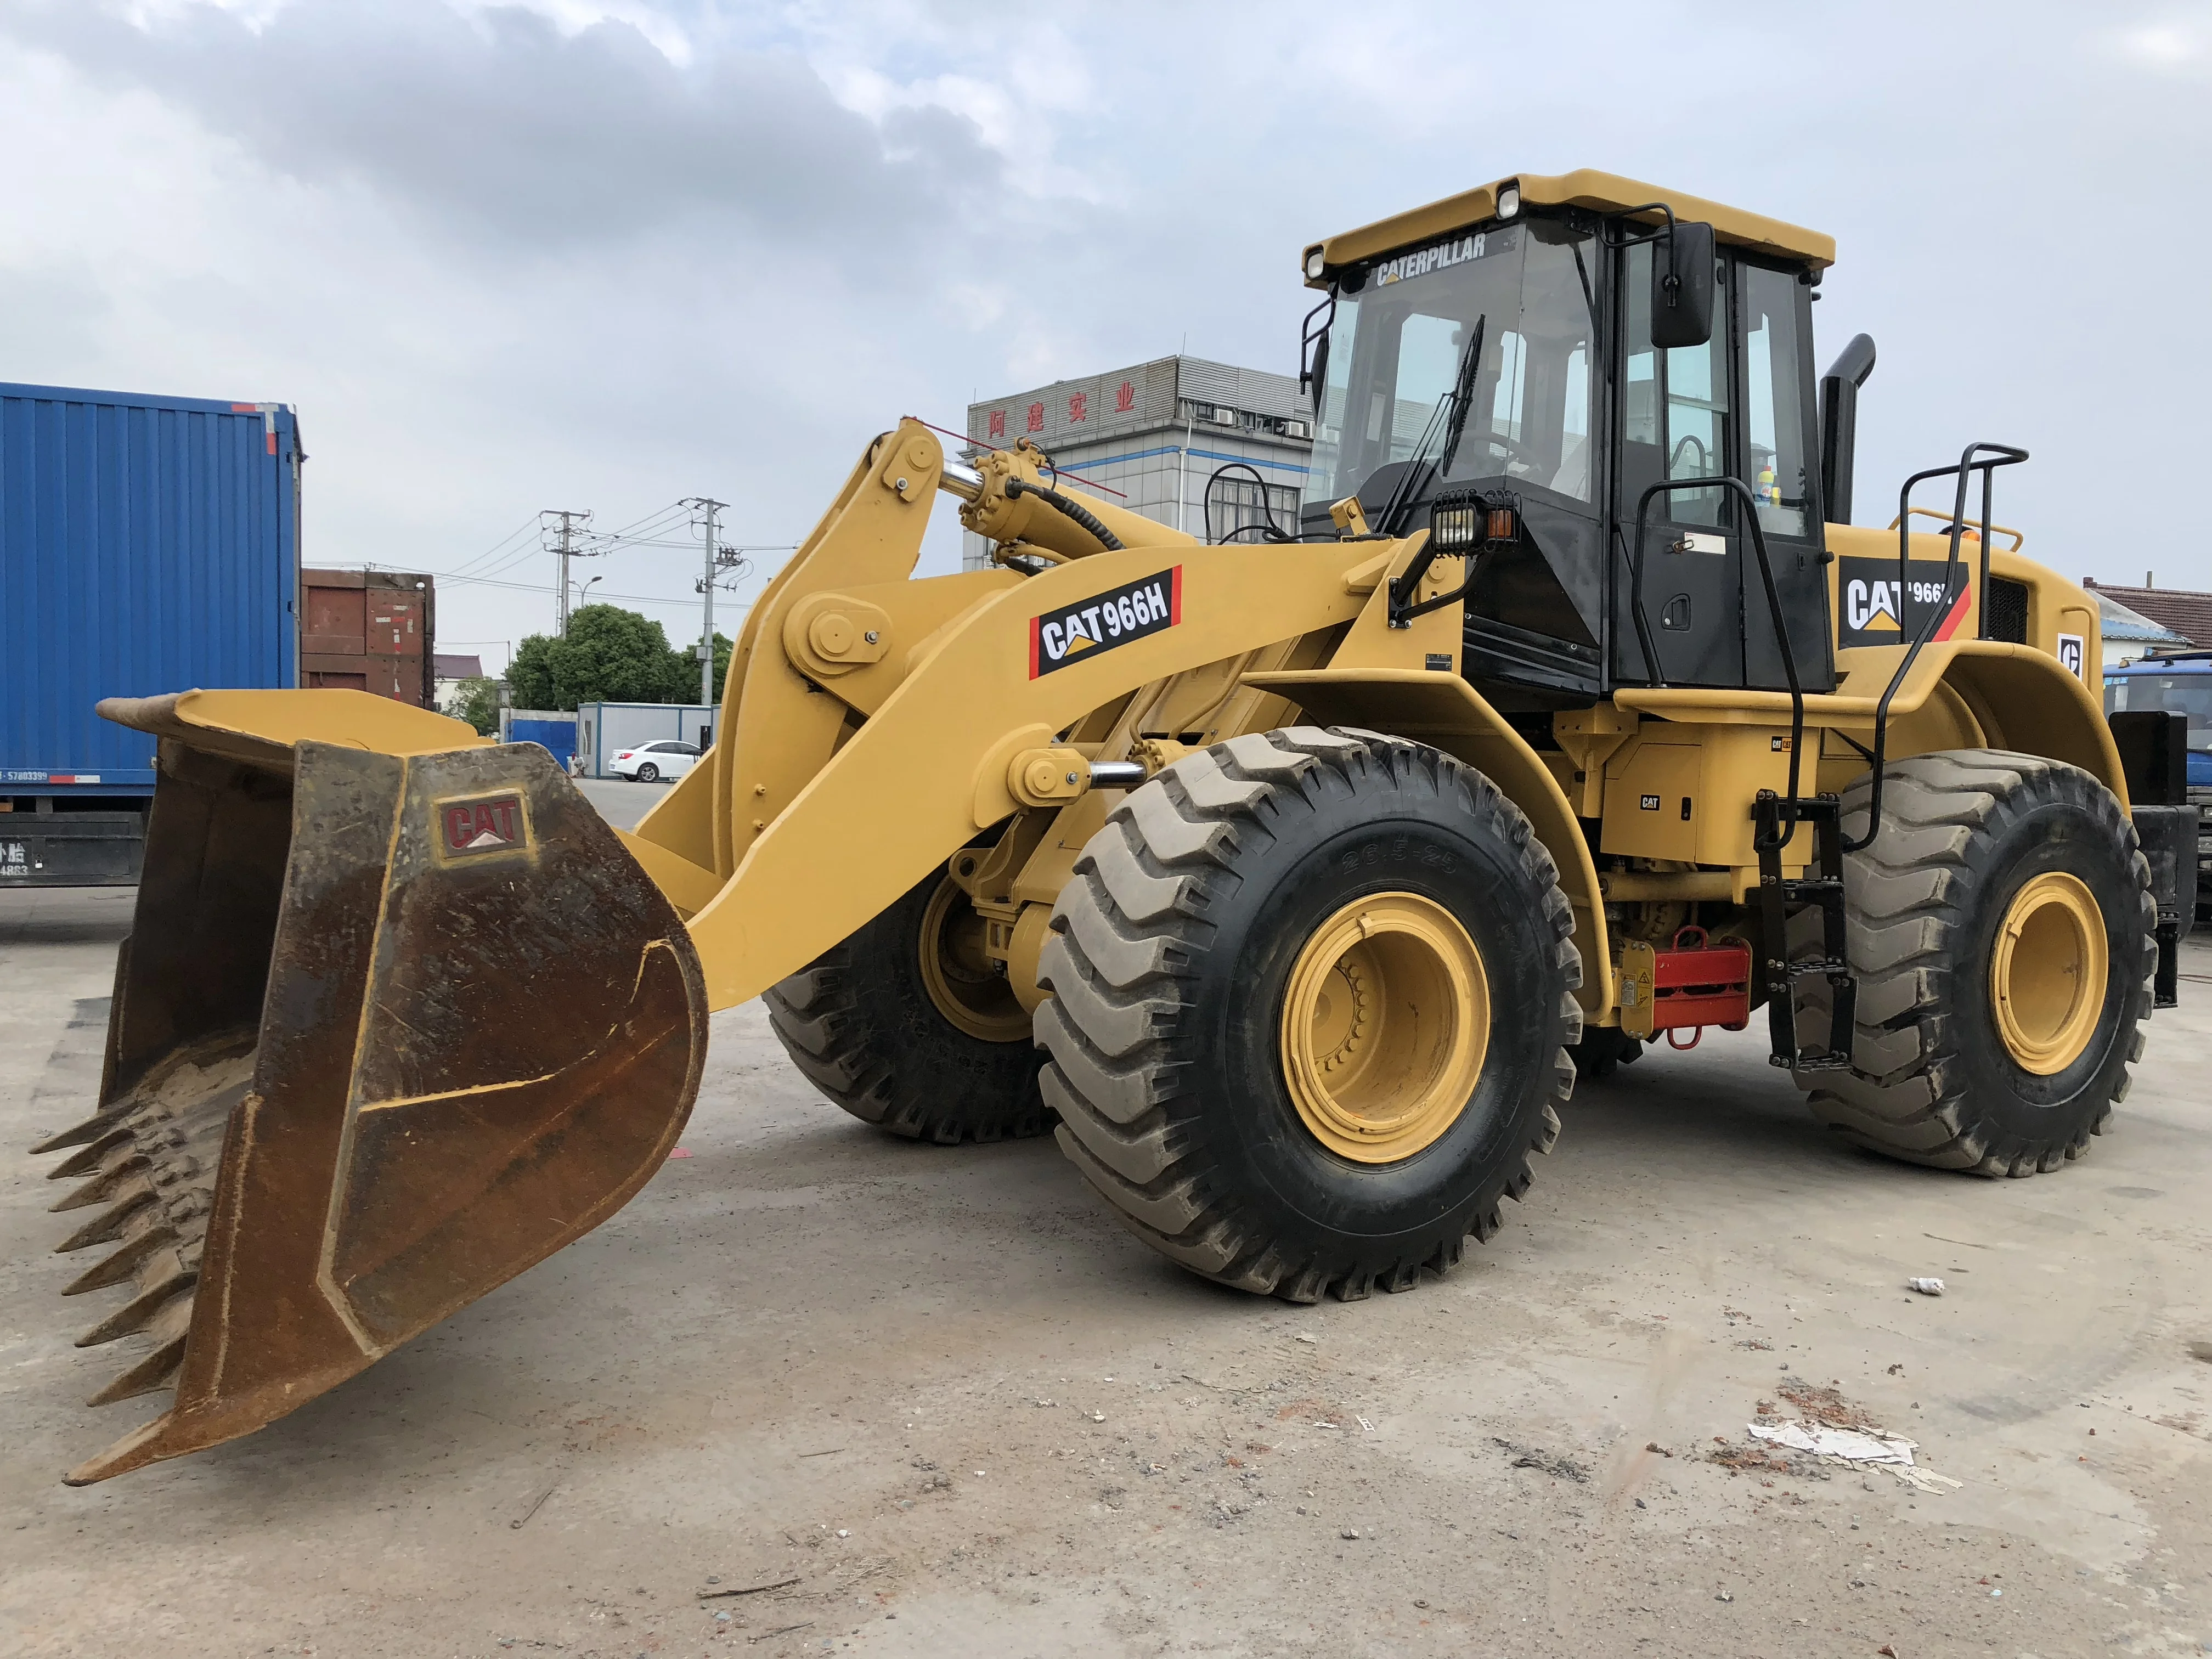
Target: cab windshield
1396, 352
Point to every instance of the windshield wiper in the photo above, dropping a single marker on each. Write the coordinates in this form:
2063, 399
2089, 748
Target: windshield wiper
1419, 467
1470, 366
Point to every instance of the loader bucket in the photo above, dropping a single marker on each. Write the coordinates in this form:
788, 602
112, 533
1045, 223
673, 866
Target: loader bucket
389, 1028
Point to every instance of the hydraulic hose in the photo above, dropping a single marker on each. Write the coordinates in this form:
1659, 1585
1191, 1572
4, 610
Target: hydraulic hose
1071, 508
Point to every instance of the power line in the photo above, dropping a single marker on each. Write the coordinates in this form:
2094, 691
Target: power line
502, 544
659, 513
539, 587
566, 533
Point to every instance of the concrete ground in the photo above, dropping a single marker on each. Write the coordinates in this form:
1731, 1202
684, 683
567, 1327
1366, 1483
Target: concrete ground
621, 803
819, 1390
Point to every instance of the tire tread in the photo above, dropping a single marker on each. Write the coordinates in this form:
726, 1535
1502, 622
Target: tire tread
1116, 977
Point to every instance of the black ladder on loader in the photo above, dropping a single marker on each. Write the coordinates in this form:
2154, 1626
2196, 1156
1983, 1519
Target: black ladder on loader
1777, 818
1781, 898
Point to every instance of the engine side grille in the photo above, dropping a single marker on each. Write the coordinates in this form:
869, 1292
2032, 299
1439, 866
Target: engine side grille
2005, 610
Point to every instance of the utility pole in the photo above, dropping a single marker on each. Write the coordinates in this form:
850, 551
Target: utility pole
561, 541
710, 506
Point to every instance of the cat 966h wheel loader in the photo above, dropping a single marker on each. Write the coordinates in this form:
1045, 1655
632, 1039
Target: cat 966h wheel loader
1294, 876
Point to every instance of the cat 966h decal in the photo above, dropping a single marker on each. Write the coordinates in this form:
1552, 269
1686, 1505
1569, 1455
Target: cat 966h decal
1881, 608
1077, 632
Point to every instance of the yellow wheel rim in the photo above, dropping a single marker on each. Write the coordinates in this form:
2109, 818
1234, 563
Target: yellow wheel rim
963, 982
1386, 1021
2047, 973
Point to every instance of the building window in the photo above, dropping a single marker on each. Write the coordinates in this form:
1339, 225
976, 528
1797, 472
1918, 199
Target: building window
1235, 505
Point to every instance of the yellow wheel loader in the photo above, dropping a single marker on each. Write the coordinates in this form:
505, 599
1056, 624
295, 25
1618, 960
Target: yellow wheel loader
1293, 878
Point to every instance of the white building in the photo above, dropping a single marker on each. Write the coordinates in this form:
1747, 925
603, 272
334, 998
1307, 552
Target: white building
1149, 438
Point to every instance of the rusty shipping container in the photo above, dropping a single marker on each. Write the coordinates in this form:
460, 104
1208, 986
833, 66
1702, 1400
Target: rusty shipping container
369, 630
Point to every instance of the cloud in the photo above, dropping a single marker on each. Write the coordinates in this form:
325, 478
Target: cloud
605, 253
503, 124
2175, 47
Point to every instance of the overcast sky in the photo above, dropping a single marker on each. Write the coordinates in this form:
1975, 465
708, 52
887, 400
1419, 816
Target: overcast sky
570, 253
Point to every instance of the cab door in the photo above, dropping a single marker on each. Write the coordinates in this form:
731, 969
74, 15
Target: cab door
1674, 422
1780, 444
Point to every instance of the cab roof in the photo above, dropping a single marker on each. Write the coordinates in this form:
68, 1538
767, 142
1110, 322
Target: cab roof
1600, 192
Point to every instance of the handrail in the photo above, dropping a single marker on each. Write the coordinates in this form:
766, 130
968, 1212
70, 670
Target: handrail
2000, 455
1669, 486
2019, 540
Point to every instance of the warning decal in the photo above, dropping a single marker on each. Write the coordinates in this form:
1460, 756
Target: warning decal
1150, 604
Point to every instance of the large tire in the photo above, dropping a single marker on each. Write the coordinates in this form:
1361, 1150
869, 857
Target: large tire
1934, 1079
1173, 955
862, 1023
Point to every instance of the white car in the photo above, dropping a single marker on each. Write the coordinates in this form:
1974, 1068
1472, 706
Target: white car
649, 762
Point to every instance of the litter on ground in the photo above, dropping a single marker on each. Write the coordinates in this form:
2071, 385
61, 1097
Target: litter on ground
1857, 1450
1833, 1431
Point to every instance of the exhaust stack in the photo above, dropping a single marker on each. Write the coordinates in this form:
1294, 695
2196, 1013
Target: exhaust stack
1839, 422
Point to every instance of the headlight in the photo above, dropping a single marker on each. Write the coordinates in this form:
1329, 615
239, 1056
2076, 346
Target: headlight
1468, 521
1457, 525
1314, 264
1509, 201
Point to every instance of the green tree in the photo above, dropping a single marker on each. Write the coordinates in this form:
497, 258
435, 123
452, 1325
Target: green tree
723, 646
608, 655
476, 700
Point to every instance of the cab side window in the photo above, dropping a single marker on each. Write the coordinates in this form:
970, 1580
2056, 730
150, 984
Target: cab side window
1777, 388
1674, 406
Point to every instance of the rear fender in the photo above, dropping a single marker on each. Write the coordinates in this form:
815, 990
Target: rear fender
2027, 701
1976, 694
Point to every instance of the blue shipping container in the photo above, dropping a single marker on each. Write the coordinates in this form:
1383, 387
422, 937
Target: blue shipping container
146, 544
554, 732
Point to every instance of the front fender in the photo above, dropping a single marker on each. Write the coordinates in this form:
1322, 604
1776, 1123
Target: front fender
1445, 711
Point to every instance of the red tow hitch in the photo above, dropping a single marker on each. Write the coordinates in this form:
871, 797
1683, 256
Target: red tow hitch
1685, 988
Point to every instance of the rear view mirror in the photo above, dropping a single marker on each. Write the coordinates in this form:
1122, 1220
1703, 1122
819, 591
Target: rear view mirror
1682, 271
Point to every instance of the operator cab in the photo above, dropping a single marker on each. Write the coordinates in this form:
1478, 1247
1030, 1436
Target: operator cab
1501, 343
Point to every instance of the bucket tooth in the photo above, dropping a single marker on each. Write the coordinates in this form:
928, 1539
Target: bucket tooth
108, 1226
152, 1372
91, 1129
113, 1176
124, 1262
86, 1161
161, 1280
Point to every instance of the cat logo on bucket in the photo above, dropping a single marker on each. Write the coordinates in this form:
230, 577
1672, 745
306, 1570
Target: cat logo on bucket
470, 828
